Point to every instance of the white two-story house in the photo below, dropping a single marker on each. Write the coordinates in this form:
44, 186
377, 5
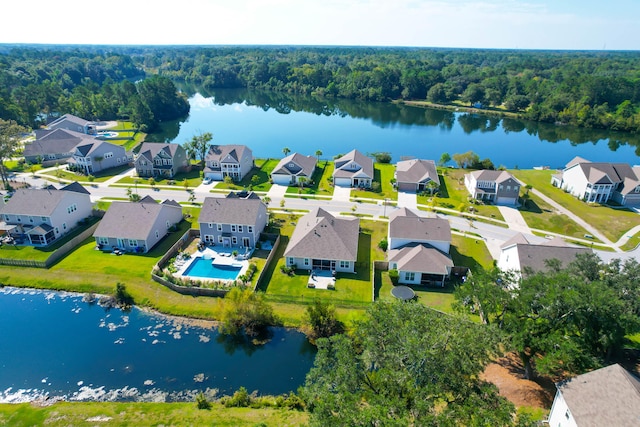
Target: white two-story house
354, 169
235, 161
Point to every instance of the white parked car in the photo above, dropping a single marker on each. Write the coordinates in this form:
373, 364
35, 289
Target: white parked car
207, 181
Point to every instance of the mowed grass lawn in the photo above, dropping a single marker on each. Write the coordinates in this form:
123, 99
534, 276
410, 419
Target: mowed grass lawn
262, 170
320, 182
383, 174
81, 414
539, 214
351, 289
191, 178
613, 223
63, 174
454, 195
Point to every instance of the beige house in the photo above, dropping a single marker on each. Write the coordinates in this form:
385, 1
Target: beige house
292, 168
354, 169
417, 175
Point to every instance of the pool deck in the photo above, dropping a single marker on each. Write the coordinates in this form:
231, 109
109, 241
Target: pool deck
321, 280
219, 258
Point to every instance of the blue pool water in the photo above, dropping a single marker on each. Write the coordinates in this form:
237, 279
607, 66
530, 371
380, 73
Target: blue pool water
201, 267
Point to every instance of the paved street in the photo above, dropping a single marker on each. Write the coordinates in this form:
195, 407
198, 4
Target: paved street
493, 235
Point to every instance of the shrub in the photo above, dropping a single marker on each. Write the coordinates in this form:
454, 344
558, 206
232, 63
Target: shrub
383, 244
394, 276
122, 296
382, 157
91, 178
202, 402
375, 186
240, 399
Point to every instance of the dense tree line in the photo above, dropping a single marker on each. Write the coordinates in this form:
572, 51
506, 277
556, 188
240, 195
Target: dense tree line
588, 89
36, 84
562, 320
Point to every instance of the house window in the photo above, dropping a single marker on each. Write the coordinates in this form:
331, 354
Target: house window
209, 238
233, 228
119, 161
291, 261
219, 239
168, 225
409, 276
291, 165
214, 164
64, 225
108, 155
344, 264
210, 225
219, 227
72, 208
6, 217
234, 240
501, 187
43, 218
103, 241
31, 219
306, 261
239, 229
57, 231
508, 188
157, 234
133, 243
567, 414
250, 227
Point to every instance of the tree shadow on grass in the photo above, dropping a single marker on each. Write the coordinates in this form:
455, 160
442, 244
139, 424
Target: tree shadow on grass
464, 261
530, 206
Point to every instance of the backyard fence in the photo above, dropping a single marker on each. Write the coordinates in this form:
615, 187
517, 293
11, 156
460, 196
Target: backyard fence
182, 243
272, 254
188, 290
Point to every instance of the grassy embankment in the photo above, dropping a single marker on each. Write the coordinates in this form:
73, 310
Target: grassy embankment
320, 183
613, 223
81, 414
382, 173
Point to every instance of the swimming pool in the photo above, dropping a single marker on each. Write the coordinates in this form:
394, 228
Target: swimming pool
202, 268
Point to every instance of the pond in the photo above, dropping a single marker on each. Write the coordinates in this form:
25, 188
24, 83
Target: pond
54, 344
267, 122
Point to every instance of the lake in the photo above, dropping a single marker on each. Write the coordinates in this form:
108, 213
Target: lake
54, 344
267, 122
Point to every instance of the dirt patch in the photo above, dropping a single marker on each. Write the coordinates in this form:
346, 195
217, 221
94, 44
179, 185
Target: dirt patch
506, 374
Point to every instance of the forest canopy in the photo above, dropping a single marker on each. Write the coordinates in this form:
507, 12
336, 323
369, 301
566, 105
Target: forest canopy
587, 89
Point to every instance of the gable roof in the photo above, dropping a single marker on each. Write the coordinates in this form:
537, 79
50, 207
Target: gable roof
607, 396
69, 118
55, 141
606, 173
231, 210
231, 153
420, 258
302, 165
416, 171
131, 220
419, 228
75, 187
365, 162
492, 175
37, 202
534, 256
320, 235
150, 150
402, 212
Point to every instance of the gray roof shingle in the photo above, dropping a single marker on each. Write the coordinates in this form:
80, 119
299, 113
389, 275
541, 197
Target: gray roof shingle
320, 235
417, 171
365, 162
535, 256
605, 397
130, 220
231, 210
36, 202
418, 228
303, 165
421, 258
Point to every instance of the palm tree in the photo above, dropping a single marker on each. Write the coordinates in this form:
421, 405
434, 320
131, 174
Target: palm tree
286, 151
318, 154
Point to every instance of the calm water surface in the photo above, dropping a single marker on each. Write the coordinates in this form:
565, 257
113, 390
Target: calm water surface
54, 344
268, 122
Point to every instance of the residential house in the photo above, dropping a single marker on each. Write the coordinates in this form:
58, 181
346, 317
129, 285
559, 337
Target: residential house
235, 161
136, 226
605, 397
493, 186
293, 168
234, 221
94, 156
74, 123
354, 169
156, 159
41, 216
53, 146
600, 182
419, 248
519, 254
322, 241
417, 175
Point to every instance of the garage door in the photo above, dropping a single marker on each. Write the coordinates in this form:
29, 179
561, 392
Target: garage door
281, 179
343, 182
406, 186
506, 201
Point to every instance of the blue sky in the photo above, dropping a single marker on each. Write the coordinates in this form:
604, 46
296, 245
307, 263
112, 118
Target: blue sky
527, 24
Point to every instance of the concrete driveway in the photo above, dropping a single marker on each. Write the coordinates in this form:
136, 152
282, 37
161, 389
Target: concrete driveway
514, 219
277, 192
407, 200
341, 194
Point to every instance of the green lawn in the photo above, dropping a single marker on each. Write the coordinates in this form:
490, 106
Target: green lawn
262, 170
539, 214
192, 179
320, 183
21, 166
40, 254
439, 299
454, 195
72, 176
613, 223
81, 414
383, 174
